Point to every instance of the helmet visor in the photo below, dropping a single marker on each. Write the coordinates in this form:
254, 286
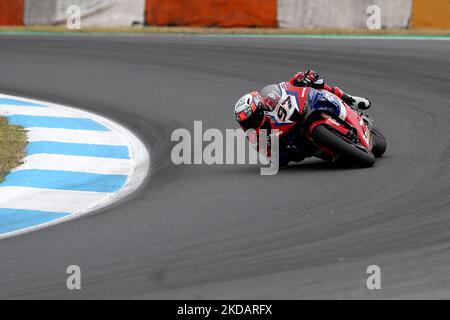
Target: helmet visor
253, 121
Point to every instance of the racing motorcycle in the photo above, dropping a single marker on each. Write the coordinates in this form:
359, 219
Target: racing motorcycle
317, 123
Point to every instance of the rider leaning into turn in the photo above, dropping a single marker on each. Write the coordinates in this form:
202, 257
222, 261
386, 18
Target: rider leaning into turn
268, 99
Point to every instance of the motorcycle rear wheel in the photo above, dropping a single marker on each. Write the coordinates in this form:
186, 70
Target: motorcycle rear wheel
348, 153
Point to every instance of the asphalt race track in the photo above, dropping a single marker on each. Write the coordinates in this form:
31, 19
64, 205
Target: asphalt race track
225, 231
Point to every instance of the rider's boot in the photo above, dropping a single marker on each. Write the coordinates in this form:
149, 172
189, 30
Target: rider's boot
357, 102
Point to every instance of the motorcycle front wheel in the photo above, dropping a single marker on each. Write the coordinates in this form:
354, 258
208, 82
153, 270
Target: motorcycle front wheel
347, 152
378, 142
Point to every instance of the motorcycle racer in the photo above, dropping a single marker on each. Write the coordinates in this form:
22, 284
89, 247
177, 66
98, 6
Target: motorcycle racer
253, 111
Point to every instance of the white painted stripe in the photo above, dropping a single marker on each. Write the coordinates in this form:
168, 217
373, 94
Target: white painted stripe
49, 200
342, 14
81, 136
9, 110
77, 163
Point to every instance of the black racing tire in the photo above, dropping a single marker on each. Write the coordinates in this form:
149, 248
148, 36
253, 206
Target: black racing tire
348, 153
379, 144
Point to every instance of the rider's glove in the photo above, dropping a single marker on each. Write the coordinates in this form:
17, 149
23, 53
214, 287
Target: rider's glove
308, 79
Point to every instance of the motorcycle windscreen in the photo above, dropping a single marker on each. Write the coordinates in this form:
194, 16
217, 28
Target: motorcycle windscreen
327, 102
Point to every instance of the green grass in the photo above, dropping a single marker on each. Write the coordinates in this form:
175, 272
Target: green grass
13, 140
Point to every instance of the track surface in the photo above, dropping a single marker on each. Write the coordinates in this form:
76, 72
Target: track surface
225, 231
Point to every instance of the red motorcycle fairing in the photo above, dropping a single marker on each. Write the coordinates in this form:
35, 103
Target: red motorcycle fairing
346, 114
348, 119
362, 129
327, 120
338, 116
